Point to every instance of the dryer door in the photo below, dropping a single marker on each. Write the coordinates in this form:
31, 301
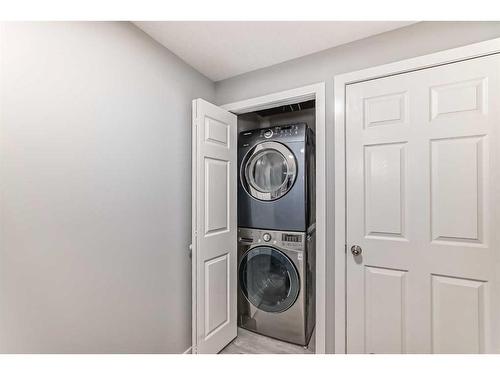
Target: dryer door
268, 279
268, 171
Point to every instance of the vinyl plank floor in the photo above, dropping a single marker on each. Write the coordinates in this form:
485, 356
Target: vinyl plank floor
248, 342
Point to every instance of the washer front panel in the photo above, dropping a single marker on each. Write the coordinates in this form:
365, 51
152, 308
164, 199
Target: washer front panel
268, 279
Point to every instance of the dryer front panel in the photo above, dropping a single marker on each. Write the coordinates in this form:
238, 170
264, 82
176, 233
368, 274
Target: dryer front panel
272, 192
268, 171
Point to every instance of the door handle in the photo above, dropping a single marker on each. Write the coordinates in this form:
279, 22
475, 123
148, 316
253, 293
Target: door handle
356, 250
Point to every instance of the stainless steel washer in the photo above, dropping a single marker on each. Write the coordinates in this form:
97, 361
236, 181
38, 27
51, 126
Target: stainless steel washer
276, 283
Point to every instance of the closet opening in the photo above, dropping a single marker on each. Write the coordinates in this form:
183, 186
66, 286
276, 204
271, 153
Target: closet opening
276, 196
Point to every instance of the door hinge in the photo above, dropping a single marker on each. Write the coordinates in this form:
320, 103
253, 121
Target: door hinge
345, 248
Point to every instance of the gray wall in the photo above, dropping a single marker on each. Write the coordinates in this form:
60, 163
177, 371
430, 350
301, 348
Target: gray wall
411, 41
95, 157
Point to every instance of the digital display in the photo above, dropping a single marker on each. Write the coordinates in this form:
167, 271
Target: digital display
290, 237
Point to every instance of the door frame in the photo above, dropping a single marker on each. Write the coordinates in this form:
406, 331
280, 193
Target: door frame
341, 82
296, 95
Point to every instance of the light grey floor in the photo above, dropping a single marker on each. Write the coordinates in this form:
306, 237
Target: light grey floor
251, 343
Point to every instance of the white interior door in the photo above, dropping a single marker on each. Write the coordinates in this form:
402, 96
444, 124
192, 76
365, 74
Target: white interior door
422, 162
214, 227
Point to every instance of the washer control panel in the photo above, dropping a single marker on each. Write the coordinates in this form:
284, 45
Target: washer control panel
266, 237
286, 240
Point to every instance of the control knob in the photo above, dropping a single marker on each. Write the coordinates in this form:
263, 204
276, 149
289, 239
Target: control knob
266, 237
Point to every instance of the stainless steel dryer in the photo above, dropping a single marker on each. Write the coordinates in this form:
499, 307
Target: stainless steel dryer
276, 283
277, 180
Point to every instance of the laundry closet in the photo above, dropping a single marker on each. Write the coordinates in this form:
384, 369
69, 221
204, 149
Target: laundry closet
270, 278
276, 223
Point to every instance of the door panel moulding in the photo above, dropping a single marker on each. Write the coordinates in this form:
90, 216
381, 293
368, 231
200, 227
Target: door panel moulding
341, 82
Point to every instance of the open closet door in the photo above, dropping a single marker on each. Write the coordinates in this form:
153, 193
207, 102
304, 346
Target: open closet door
214, 227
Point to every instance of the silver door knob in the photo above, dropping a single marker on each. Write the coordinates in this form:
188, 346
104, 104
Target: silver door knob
356, 250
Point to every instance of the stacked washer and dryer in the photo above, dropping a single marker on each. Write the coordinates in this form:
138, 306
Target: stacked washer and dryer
276, 234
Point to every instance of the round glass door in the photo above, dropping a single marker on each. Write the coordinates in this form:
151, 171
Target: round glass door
268, 279
268, 171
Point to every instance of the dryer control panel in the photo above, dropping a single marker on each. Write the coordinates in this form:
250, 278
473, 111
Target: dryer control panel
284, 133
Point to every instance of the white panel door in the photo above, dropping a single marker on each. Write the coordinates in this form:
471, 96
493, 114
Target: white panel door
214, 227
422, 162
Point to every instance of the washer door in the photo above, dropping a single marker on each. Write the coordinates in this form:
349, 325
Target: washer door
268, 171
268, 279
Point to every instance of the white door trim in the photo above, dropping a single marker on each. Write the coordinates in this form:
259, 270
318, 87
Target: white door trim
340, 82
316, 92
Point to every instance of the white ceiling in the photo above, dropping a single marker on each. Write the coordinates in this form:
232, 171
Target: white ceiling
221, 49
